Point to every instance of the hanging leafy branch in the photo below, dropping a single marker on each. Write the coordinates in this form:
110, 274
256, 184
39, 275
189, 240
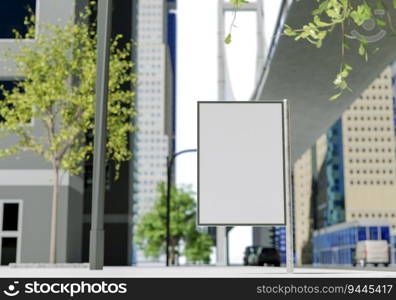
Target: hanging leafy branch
237, 5
332, 14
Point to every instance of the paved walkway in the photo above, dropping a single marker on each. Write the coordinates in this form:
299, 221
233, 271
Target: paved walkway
185, 272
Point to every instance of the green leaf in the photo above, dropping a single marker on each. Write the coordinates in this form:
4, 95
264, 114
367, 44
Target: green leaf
227, 40
322, 7
335, 97
362, 13
379, 4
320, 23
238, 3
380, 22
362, 49
289, 31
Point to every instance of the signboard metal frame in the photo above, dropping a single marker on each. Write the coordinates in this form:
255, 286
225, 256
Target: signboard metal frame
287, 200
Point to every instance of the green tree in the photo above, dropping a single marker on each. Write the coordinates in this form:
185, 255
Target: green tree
58, 93
185, 238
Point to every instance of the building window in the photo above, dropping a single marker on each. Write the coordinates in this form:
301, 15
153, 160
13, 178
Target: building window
361, 233
10, 231
12, 16
373, 233
9, 85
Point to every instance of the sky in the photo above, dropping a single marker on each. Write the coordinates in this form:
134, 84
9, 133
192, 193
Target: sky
197, 79
197, 68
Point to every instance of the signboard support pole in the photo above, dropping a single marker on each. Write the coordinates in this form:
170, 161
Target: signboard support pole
289, 206
221, 246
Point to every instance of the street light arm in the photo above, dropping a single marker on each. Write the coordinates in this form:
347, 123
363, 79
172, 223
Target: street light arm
174, 155
170, 162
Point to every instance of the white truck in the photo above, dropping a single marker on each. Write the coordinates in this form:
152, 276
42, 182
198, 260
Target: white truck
372, 252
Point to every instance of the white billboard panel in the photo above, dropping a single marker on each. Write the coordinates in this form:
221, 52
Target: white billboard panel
242, 167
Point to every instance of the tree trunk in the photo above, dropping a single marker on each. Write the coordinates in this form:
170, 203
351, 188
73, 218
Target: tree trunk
173, 253
54, 213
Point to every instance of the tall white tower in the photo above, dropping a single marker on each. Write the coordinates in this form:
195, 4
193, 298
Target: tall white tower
154, 139
225, 89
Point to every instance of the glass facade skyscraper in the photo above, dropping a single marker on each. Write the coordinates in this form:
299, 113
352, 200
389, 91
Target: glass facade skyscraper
334, 209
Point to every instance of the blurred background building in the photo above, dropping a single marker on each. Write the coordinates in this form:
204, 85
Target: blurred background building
155, 102
356, 171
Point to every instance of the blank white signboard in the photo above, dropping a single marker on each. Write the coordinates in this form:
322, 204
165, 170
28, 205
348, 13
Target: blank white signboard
241, 163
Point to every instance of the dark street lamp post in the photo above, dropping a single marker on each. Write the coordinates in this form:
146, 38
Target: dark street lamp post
170, 161
96, 245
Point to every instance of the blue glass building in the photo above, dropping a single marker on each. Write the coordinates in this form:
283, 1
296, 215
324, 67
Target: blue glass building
280, 242
335, 206
172, 43
336, 244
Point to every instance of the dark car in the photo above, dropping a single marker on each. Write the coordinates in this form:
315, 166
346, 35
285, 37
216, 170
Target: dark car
250, 256
269, 256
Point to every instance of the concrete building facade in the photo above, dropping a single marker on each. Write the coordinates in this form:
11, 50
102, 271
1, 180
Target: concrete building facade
349, 174
302, 202
309, 190
369, 154
26, 180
